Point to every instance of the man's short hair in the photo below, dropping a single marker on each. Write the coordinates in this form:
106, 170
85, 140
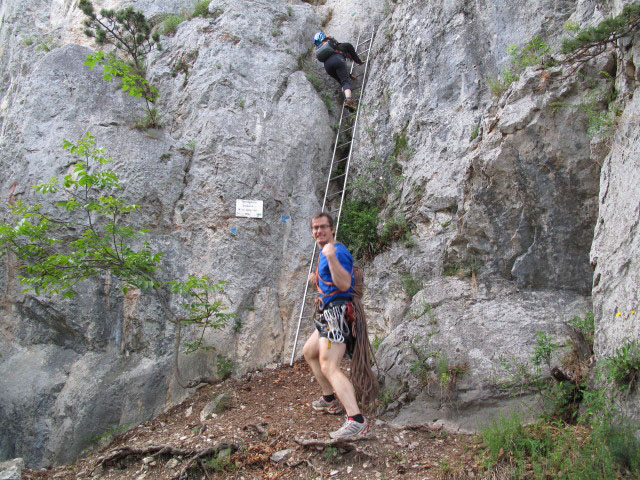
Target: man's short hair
320, 215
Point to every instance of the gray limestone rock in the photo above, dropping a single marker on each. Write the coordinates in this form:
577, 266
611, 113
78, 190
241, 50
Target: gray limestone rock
11, 469
518, 205
217, 405
281, 455
479, 328
240, 122
616, 244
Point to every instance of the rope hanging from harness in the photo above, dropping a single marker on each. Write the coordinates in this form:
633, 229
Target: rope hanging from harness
363, 379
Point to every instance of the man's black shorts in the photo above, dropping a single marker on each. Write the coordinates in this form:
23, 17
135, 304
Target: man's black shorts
332, 324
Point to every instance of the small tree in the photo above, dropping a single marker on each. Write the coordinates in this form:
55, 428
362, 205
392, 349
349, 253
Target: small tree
590, 42
128, 31
84, 232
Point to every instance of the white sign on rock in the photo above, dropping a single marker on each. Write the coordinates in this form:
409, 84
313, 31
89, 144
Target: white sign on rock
249, 208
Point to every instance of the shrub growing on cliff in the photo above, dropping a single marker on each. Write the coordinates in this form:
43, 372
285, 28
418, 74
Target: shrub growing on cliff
201, 9
169, 25
596, 441
374, 185
129, 32
82, 231
623, 367
599, 103
359, 228
520, 58
590, 42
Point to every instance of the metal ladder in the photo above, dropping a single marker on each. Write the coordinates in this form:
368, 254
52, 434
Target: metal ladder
338, 171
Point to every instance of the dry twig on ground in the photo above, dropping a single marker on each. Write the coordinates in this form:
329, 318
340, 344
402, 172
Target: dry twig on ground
157, 450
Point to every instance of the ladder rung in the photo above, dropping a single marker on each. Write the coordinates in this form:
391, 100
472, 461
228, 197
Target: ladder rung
338, 176
343, 144
346, 129
334, 194
364, 41
363, 52
341, 160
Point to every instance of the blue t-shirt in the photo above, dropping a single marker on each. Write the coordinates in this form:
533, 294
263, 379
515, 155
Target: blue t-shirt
346, 260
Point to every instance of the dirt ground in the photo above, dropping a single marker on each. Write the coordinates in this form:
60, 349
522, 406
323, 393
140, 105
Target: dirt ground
267, 413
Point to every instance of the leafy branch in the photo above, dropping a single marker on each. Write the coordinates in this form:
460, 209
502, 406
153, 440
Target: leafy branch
131, 82
590, 42
84, 232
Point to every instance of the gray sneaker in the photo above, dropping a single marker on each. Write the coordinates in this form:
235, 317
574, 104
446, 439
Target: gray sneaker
321, 405
351, 430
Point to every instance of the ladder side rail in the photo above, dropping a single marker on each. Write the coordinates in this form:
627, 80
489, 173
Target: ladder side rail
335, 145
355, 124
304, 304
333, 157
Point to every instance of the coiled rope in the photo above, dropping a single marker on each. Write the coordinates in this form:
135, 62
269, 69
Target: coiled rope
363, 379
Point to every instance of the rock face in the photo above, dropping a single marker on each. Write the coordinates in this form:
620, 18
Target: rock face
614, 253
12, 469
502, 194
230, 87
503, 197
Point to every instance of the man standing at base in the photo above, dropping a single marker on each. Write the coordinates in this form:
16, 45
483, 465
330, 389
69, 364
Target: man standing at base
332, 338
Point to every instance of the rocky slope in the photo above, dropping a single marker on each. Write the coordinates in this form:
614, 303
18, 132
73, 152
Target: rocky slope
509, 194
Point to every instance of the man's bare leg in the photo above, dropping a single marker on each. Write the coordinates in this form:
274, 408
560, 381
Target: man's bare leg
311, 352
329, 361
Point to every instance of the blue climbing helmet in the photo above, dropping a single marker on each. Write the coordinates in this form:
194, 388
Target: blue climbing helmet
318, 38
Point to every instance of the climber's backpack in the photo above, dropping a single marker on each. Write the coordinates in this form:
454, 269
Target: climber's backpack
324, 51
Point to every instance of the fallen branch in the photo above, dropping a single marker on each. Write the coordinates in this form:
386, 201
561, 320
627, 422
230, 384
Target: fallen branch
421, 427
157, 450
306, 461
127, 451
203, 453
340, 443
204, 468
347, 444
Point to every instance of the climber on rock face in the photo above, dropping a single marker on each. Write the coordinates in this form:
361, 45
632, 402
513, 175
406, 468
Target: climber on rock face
333, 55
332, 338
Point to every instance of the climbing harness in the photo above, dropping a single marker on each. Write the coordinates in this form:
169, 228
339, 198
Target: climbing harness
334, 323
338, 174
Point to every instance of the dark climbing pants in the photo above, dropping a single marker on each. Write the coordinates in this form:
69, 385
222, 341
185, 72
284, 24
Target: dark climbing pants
336, 66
